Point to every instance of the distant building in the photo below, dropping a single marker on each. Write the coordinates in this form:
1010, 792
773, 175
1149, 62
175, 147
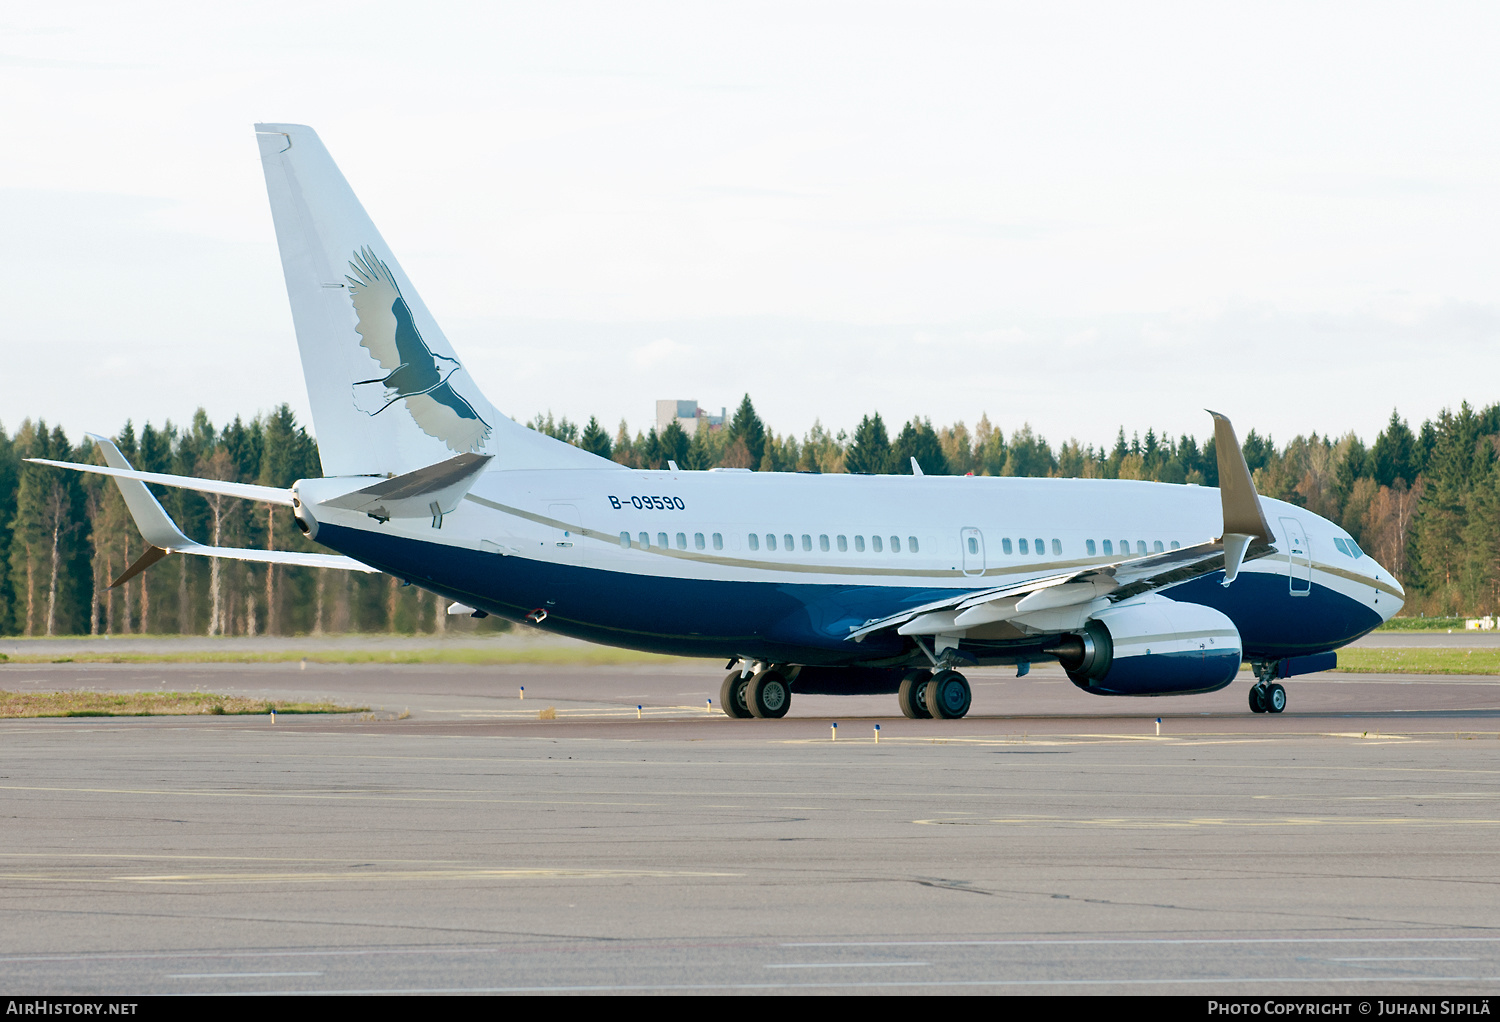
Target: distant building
688, 415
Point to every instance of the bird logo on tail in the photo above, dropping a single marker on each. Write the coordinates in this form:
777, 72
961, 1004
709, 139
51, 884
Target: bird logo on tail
414, 374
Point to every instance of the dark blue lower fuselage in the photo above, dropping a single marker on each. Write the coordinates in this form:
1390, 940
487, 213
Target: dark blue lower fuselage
798, 623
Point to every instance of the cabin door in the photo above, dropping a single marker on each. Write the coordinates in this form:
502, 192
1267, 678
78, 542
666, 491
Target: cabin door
1298, 558
972, 542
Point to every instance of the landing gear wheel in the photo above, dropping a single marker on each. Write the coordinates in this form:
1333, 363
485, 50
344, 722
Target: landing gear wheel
912, 695
767, 694
732, 696
1275, 699
948, 695
1257, 699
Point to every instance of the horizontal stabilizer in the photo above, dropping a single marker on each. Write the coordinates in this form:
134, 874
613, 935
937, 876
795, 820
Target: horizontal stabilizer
245, 491
162, 534
150, 557
426, 493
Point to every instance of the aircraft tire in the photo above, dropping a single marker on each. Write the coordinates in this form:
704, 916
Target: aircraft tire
768, 695
948, 695
912, 695
1257, 699
1275, 699
732, 696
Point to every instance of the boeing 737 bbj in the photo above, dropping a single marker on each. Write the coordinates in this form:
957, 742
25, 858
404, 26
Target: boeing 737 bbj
804, 583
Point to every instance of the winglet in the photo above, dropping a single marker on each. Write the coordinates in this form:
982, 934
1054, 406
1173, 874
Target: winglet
1244, 521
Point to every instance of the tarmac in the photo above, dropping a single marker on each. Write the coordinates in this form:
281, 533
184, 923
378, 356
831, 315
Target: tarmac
448, 839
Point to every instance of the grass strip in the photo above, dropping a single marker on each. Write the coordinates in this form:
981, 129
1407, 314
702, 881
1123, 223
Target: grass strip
150, 704
1419, 661
1422, 624
465, 655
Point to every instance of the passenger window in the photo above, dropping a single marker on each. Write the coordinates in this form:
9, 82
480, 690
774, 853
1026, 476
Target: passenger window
895, 544
1057, 548
682, 541
645, 541
859, 544
1025, 549
1140, 546
843, 544
698, 541
1041, 547
718, 541
1109, 547
787, 543
661, 540
806, 542
823, 543
911, 544
1088, 545
625, 540
770, 541
1157, 546
1176, 545
973, 545
1005, 545
754, 541
1124, 548
875, 544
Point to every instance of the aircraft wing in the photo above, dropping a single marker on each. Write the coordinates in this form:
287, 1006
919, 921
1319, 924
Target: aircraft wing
1112, 582
1246, 536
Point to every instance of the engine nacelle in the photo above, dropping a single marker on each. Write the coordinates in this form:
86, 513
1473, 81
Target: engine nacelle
1153, 647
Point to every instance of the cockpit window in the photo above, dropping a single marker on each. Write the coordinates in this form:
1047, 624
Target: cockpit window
1354, 550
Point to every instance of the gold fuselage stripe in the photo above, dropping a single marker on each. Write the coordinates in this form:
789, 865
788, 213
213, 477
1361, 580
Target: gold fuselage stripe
1035, 568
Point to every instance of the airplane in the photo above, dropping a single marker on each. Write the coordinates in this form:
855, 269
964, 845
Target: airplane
803, 583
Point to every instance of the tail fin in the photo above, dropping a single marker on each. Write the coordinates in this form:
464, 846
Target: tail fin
388, 393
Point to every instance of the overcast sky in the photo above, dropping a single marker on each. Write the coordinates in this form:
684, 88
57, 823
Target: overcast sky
1076, 215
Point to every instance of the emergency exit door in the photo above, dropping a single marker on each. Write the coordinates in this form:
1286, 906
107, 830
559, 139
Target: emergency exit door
972, 542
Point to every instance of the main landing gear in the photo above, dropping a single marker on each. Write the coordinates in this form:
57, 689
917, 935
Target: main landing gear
1265, 695
945, 695
764, 693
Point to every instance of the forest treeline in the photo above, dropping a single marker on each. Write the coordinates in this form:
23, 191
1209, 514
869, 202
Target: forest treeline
1424, 502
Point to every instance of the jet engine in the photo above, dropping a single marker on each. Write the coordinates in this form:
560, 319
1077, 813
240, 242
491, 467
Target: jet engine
1152, 646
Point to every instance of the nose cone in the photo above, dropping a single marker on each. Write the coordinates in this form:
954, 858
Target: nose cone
1392, 597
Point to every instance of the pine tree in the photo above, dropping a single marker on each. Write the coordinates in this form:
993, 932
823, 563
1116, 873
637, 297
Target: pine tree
747, 427
870, 451
919, 440
1395, 454
595, 440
